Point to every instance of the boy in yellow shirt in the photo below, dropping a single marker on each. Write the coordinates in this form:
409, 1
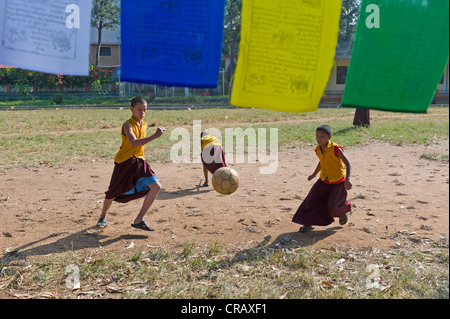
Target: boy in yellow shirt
327, 198
212, 156
133, 177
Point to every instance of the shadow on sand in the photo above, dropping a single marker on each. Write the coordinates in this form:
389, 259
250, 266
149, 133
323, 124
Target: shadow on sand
288, 240
196, 190
92, 237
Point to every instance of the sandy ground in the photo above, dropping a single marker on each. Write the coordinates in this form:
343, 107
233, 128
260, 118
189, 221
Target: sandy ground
399, 200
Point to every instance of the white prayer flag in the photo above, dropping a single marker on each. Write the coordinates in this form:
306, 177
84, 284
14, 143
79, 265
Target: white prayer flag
51, 36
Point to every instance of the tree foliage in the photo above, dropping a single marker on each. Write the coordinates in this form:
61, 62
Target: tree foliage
232, 24
349, 19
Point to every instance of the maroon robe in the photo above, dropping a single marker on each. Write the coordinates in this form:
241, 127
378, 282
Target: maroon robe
124, 178
323, 203
216, 157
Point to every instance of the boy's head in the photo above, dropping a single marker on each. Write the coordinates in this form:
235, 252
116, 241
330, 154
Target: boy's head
204, 133
323, 135
324, 128
138, 108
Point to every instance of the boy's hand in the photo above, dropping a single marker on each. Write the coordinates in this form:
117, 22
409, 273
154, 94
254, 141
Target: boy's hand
348, 185
160, 131
310, 177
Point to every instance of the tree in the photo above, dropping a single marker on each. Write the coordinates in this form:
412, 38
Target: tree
105, 15
347, 30
232, 31
349, 19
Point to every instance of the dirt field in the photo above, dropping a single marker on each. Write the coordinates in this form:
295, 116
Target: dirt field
399, 200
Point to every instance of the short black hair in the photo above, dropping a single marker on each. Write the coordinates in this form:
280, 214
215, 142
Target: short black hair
138, 99
324, 128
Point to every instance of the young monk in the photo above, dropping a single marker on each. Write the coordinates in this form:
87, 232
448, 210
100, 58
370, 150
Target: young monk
327, 198
133, 177
213, 156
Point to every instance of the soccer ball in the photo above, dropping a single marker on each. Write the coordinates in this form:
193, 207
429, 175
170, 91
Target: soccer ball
225, 180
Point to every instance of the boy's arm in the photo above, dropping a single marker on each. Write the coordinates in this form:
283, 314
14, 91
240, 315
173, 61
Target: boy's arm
316, 171
128, 131
348, 166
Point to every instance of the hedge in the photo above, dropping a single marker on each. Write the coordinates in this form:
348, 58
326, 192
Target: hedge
15, 76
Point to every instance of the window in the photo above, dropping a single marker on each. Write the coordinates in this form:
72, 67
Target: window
341, 74
105, 51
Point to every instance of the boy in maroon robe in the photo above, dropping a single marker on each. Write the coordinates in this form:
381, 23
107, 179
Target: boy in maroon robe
327, 198
133, 177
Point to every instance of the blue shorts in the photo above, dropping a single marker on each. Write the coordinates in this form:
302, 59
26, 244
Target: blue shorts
142, 184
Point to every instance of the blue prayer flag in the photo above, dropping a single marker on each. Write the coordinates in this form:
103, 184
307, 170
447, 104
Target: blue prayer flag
172, 42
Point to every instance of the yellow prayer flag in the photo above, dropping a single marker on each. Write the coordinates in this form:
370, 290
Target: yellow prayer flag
286, 53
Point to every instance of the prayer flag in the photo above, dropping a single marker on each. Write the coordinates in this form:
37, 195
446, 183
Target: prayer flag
172, 43
286, 53
51, 36
399, 56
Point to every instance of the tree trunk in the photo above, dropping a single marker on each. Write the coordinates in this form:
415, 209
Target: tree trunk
231, 47
99, 44
362, 118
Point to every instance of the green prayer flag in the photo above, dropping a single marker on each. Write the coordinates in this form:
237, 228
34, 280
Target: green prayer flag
400, 53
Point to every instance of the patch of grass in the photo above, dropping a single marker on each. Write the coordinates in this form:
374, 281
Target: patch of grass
263, 274
215, 249
30, 138
188, 249
436, 157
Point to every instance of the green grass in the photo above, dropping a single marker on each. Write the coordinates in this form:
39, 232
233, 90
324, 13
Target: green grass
30, 138
68, 100
73, 100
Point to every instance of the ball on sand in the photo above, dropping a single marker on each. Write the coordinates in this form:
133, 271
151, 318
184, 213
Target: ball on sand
225, 180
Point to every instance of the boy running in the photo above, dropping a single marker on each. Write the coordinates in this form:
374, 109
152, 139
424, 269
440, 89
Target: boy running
133, 177
327, 198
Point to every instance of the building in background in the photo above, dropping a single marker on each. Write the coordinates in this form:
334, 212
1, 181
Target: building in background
109, 49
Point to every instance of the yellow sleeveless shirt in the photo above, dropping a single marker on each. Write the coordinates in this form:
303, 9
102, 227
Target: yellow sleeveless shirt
331, 166
126, 151
209, 140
